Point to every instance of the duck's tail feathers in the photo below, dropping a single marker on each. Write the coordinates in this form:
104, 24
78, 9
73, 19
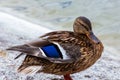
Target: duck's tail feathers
29, 50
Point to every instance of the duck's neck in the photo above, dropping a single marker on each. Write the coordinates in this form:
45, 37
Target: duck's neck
67, 77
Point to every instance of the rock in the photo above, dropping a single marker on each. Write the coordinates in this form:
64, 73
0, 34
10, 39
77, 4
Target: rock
2, 53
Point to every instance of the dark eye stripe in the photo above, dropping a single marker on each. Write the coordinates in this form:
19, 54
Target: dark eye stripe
85, 27
78, 21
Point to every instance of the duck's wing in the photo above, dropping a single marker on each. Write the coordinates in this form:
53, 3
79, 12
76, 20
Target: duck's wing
32, 48
49, 47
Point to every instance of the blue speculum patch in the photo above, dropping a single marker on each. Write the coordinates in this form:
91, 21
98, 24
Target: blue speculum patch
52, 51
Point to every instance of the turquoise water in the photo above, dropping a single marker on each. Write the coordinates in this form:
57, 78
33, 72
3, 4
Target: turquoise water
60, 15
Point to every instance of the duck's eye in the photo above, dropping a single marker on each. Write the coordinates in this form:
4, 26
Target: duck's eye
98, 43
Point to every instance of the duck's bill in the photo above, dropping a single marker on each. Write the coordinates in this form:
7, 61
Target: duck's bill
93, 38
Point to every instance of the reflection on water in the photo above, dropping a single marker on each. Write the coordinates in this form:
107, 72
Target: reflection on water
60, 14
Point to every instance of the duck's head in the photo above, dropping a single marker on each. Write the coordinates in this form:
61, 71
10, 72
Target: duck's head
82, 25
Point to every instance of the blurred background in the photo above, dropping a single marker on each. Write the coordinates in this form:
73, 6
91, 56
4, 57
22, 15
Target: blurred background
60, 15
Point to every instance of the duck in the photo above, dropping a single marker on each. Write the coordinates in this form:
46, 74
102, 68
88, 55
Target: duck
61, 52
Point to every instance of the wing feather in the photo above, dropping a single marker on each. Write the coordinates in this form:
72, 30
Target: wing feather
32, 48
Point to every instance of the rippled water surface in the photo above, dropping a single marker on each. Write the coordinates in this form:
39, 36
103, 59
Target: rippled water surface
60, 15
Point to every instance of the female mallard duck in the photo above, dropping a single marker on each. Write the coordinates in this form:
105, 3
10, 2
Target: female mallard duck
62, 52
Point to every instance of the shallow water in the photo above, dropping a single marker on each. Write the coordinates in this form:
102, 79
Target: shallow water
60, 15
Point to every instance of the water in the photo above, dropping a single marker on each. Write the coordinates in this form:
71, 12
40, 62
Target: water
60, 15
